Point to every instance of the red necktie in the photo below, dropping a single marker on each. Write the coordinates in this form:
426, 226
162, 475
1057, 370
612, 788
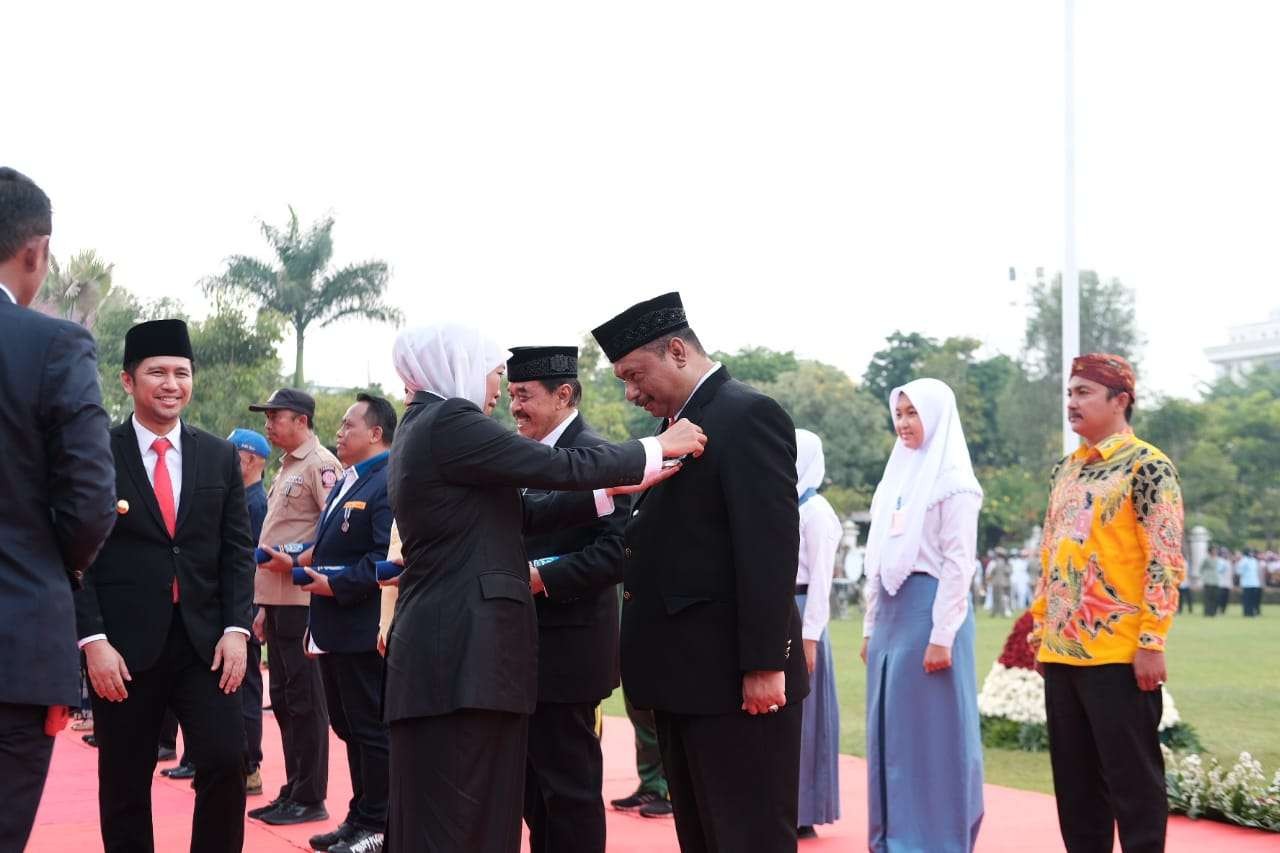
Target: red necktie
164, 494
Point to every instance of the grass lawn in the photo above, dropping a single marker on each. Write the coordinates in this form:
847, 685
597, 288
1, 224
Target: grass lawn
1224, 675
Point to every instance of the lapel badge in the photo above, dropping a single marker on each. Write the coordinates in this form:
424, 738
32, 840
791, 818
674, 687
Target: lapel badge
122, 507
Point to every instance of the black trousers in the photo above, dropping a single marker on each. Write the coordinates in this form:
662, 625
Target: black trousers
297, 700
1104, 747
127, 733
1251, 596
353, 694
564, 774
1224, 598
1210, 600
251, 705
1186, 599
251, 702
734, 779
25, 751
457, 783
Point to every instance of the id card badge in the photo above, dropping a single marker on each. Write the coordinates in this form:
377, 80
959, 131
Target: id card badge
1084, 520
897, 523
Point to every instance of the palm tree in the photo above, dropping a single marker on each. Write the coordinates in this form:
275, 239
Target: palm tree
77, 292
301, 286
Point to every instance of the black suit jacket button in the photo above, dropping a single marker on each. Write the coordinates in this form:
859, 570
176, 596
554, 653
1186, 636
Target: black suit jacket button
177, 550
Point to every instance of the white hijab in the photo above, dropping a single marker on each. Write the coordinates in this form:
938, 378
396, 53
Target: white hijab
448, 359
811, 467
915, 480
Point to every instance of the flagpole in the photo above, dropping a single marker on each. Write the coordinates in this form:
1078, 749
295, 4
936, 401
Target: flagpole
1070, 274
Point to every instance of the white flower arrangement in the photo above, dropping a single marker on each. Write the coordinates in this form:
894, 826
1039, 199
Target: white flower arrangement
1241, 795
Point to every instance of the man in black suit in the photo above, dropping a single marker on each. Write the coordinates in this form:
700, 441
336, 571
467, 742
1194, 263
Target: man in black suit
61, 485
353, 533
574, 576
710, 632
164, 615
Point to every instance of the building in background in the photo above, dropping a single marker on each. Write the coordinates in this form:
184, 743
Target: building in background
1249, 345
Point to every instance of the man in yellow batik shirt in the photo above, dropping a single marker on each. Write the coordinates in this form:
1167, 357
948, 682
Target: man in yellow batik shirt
1112, 563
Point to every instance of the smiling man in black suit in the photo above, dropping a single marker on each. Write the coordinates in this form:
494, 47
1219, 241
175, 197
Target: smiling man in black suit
164, 615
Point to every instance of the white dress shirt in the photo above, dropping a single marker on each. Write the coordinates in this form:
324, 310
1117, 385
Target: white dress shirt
948, 551
8, 293
172, 458
173, 462
820, 535
714, 367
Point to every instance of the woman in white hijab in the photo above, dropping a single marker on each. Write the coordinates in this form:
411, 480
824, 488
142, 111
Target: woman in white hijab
820, 534
924, 752
461, 653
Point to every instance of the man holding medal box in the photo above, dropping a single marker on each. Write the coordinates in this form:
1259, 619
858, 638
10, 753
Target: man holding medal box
297, 497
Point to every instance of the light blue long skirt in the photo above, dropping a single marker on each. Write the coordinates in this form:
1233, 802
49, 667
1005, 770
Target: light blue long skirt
820, 741
924, 748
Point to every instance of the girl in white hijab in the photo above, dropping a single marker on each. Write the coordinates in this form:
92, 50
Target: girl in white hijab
924, 753
820, 534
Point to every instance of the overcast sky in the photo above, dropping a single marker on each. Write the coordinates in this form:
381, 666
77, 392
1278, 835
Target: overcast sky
810, 176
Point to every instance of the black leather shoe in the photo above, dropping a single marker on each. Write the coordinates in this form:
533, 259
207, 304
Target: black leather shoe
182, 771
257, 813
326, 840
803, 832
291, 813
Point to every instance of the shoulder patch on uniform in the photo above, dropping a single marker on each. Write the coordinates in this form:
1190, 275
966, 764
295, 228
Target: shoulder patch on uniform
328, 477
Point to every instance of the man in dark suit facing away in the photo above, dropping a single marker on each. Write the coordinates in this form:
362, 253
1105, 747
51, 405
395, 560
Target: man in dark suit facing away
164, 615
710, 632
57, 468
574, 576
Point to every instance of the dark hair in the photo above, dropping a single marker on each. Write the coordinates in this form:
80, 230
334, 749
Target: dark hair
25, 212
659, 345
379, 413
1128, 410
553, 384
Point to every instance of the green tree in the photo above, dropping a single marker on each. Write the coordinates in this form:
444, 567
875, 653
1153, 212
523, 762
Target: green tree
1108, 322
235, 360
823, 399
897, 364
756, 365
300, 285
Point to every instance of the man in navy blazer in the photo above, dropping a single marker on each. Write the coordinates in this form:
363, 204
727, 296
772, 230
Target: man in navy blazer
60, 480
354, 532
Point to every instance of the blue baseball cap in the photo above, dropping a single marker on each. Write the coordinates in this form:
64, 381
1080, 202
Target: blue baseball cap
254, 442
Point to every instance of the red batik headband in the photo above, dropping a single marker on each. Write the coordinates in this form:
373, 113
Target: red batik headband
1106, 369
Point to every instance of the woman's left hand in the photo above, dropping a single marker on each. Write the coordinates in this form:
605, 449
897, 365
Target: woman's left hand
937, 658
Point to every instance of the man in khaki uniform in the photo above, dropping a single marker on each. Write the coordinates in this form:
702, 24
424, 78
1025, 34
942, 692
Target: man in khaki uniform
297, 496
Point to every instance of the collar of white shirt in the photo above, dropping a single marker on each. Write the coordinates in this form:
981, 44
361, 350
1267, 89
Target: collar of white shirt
552, 437
146, 438
8, 293
714, 367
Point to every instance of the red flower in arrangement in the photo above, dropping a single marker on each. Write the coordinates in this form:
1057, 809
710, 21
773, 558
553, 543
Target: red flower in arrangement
1017, 652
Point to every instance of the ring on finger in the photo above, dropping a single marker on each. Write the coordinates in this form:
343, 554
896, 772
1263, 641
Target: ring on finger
773, 709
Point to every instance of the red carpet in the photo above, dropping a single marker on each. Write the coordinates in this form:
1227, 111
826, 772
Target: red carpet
1015, 821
